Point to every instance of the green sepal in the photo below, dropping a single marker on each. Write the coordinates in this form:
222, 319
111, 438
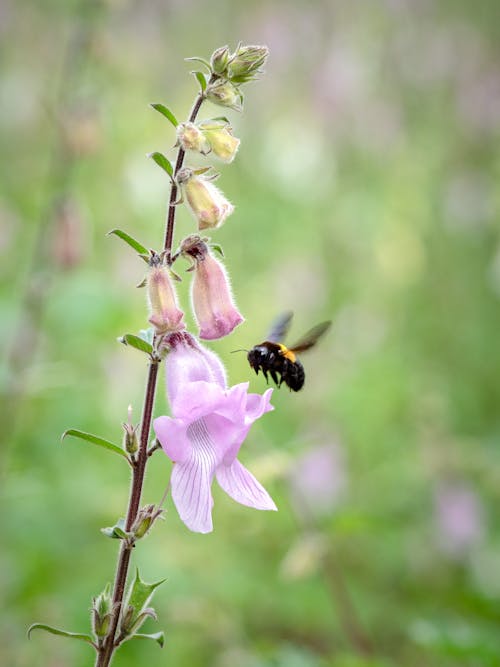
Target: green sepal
222, 119
162, 162
202, 80
96, 440
62, 633
137, 342
165, 111
116, 532
200, 60
133, 243
218, 248
158, 637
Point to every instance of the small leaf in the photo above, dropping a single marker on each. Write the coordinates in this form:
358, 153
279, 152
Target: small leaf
162, 162
201, 80
131, 241
200, 60
223, 119
116, 532
96, 440
158, 637
62, 633
218, 248
137, 342
165, 111
140, 594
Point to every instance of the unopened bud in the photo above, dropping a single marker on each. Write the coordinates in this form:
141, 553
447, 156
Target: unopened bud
219, 60
225, 94
127, 621
130, 441
101, 612
213, 303
165, 316
205, 201
246, 63
191, 138
144, 520
219, 136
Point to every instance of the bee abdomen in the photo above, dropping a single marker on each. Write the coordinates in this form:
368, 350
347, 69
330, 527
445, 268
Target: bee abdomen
294, 376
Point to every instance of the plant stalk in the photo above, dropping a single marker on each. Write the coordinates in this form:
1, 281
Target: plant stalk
106, 651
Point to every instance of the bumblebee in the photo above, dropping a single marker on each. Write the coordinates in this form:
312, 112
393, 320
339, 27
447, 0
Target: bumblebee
281, 362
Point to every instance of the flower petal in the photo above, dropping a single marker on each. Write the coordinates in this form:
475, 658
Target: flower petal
191, 480
172, 434
197, 399
242, 486
258, 405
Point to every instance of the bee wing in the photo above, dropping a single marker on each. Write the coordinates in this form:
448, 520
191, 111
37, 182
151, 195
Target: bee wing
280, 327
311, 337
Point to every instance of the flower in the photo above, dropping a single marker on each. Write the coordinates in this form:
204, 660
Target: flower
165, 315
459, 518
205, 201
209, 424
219, 136
191, 138
213, 304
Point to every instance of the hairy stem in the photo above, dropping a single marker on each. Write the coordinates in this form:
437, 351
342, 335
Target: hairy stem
106, 651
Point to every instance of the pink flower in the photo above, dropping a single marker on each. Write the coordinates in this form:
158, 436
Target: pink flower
209, 424
165, 315
213, 304
459, 518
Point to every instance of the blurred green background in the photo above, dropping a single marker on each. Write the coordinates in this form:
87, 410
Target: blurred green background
366, 191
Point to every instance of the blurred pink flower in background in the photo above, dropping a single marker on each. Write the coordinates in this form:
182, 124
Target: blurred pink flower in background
318, 480
459, 519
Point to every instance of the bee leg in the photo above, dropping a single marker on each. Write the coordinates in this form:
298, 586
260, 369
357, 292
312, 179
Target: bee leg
275, 378
264, 373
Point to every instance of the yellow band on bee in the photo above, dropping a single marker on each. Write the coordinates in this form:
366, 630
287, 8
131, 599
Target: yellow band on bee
285, 352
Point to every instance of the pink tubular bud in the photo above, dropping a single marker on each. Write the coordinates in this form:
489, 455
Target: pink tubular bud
212, 300
205, 201
191, 138
219, 137
165, 315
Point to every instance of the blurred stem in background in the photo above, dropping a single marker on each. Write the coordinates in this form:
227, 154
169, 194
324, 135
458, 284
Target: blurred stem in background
57, 234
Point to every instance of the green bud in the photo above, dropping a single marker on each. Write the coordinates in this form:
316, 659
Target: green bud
219, 60
246, 63
144, 520
130, 441
225, 94
101, 612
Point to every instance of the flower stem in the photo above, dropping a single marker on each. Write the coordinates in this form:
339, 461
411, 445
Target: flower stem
169, 229
106, 650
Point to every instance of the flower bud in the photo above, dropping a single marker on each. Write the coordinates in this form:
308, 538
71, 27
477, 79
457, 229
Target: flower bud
225, 94
130, 441
212, 300
144, 520
219, 136
101, 612
165, 315
246, 63
205, 201
219, 60
191, 138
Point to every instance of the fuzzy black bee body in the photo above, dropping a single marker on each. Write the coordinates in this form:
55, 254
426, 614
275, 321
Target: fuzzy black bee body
280, 362
274, 359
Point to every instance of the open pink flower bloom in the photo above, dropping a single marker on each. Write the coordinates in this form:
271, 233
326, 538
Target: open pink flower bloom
213, 304
203, 438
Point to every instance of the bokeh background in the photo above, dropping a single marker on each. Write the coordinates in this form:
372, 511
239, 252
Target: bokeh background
366, 191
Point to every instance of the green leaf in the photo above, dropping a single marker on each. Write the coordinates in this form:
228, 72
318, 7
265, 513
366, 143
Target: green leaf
218, 248
137, 342
116, 532
62, 633
200, 60
96, 440
140, 594
162, 162
201, 80
165, 111
158, 637
142, 250
223, 119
